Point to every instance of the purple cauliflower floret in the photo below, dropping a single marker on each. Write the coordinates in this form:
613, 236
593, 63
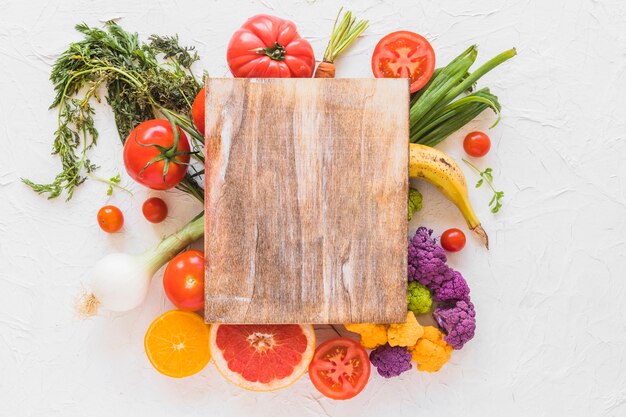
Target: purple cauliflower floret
427, 260
453, 289
458, 322
427, 265
391, 361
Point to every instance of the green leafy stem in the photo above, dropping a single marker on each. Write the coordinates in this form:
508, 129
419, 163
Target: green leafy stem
486, 176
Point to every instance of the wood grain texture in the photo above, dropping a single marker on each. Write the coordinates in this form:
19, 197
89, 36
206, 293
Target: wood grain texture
306, 200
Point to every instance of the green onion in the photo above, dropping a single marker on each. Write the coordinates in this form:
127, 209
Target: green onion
457, 118
434, 113
449, 77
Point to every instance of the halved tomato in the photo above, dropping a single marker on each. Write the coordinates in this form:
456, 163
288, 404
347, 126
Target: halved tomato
340, 368
404, 54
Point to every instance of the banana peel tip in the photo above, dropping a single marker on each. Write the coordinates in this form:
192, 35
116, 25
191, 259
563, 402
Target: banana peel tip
482, 235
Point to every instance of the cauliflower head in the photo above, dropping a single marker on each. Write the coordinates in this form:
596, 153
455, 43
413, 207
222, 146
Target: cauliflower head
405, 334
391, 361
372, 335
419, 300
431, 352
427, 265
453, 289
458, 322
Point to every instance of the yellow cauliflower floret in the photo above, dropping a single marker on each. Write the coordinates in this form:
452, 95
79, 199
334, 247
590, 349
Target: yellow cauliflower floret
431, 352
372, 335
405, 334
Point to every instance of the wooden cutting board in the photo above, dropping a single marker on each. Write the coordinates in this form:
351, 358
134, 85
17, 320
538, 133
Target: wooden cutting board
306, 200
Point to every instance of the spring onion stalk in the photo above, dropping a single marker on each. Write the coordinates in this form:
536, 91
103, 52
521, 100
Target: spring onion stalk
449, 77
456, 115
120, 282
434, 113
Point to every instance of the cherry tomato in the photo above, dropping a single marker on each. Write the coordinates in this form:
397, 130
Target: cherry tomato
110, 219
197, 111
453, 240
183, 280
149, 141
154, 210
404, 54
477, 144
269, 47
340, 368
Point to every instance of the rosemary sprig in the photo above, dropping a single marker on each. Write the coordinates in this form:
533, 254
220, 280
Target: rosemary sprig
486, 176
142, 80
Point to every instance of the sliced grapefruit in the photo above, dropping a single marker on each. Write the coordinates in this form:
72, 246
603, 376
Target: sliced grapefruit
177, 343
262, 357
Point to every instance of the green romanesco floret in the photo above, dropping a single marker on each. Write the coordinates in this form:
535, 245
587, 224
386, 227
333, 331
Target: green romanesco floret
418, 298
415, 201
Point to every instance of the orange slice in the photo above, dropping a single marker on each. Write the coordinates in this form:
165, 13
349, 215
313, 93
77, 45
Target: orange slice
177, 343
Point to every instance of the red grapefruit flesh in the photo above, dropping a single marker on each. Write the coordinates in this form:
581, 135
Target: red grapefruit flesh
262, 357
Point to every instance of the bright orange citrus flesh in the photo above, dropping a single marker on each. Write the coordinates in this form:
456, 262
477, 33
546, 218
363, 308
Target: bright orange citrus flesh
177, 343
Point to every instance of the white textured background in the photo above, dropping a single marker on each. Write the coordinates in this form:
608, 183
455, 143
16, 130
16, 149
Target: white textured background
551, 338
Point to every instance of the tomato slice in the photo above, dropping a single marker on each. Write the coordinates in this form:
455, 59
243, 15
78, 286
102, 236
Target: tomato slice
404, 54
340, 368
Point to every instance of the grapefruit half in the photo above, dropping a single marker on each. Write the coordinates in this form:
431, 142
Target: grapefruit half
262, 357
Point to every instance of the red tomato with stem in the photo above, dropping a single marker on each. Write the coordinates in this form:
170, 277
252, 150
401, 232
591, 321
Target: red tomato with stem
404, 54
197, 111
269, 47
340, 368
154, 156
453, 240
477, 144
110, 219
183, 280
154, 210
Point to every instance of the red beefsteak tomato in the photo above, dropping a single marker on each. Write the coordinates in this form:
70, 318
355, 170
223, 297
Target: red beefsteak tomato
269, 47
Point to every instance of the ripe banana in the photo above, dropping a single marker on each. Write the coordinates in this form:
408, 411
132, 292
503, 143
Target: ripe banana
439, 169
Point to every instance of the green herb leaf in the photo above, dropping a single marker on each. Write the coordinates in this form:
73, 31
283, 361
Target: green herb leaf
486, 176
112, 181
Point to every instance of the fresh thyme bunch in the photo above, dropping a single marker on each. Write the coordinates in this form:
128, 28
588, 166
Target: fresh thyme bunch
142, 80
